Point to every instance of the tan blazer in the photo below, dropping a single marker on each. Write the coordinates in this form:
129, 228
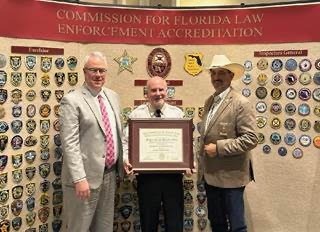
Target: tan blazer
232, 128
83, 137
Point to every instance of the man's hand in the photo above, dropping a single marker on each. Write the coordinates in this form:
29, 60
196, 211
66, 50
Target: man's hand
211, 150
127, 167
82, 189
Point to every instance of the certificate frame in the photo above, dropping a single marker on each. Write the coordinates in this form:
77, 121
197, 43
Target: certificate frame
180, 134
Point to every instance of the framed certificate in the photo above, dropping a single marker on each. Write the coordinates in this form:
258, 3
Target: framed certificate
160, 145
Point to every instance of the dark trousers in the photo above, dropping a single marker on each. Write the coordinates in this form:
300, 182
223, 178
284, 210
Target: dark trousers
154, 189
226, 209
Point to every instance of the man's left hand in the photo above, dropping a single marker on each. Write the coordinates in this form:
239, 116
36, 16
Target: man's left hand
211, 149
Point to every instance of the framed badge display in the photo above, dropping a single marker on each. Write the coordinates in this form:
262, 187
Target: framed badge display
160, 145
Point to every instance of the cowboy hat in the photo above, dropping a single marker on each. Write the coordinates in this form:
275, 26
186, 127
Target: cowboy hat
221, 61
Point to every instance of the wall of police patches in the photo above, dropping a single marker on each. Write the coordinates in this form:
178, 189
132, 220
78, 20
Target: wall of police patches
282, 84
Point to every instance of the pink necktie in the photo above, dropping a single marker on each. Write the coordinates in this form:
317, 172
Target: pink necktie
109, 137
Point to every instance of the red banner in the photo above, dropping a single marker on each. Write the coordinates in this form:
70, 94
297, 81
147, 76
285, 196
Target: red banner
97, 24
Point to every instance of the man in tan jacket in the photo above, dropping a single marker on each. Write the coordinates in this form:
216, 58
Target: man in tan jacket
227, 136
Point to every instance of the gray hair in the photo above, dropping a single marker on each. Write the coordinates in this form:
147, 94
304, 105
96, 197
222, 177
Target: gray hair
95, 54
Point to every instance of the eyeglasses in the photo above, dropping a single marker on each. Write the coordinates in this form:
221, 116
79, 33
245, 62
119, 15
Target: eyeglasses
96, 70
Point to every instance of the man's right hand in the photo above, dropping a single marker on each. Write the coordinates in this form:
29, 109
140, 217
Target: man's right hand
82, 189
127, 167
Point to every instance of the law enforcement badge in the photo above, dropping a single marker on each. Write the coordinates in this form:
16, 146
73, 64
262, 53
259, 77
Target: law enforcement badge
304, 124
17, 175
297, 153
3, 162
30, 203
266, 149
44, 199
44, 170
247, 78
248, 65
136, 226
291, 65
3, 179
57, 184
30, 189
3, 95
316, 126
44, 125
275, 123
282, 151
276, 79
201, 198
3, 142
16, 79
16, 111
262, 64
171, 91
261, 92
31, 125
31, 79
201, 186
59, 94
43, 214
45, 80
305, 65
45, 110
276, 65
30, 218
261, 138
246, 92
59, 62
188, 198
30, 62
305, 140
16, 142
57, 197
31, 110
72, 78
316, 141
189, 112
46, 64
193, 63
16, 207
3, 78
44, 227
56, 125
305, 78
200, 111
316, 94
30, 141
290, 124
188, 224
262, 79
188, 184
2, 112
16, 160
304, 109
290, 108
159, 63
276, 108
16, 126
57, 211
57, 167
56, 225
275, 138
4, 127
45, 154
59, 78
188, 210
304, 94
126, 211
291, 79
57, 139
3, 61
261, 121
125, 226
45, 94
30, 172
31, 95
16, 96
290, 139
15, 62
276, 94
125, 62
261, 107
16, 223
5, 225
201, 211
72, 62
30, 156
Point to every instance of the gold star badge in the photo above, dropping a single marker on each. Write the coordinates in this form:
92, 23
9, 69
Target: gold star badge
125, 62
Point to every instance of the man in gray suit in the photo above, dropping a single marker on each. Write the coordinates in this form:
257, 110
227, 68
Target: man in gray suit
227, 136
92, 150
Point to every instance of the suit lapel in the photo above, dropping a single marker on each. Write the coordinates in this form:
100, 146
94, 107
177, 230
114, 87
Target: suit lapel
225, 102
90, 100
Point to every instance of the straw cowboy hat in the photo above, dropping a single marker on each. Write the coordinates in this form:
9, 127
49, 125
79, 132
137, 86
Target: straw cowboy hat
221, 61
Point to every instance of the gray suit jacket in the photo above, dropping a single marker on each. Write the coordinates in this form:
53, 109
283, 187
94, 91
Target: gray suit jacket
83, 137
232, 128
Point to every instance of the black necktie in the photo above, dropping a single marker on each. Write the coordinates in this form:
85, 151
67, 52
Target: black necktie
157, 113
